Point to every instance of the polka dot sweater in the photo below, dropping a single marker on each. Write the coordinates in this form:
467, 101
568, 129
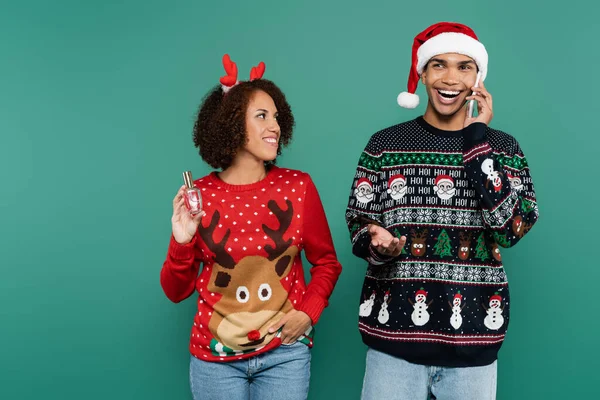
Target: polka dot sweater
250, 245
458, 197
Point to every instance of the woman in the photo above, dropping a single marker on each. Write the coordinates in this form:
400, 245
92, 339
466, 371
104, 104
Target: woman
253, 331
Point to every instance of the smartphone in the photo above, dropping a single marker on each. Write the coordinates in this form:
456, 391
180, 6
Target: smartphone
471, 105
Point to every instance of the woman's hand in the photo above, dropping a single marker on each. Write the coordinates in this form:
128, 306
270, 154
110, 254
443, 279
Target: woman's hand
184, 224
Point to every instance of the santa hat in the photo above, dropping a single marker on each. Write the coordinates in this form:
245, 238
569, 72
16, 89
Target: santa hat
496, 296
441, 38
443, 178
364, 182
395, 179
458, 296
421, 291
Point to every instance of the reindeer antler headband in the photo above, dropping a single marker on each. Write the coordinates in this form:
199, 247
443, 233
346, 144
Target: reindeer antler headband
231, 79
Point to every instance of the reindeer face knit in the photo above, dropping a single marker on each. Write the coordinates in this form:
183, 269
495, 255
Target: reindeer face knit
250, 243
458, 197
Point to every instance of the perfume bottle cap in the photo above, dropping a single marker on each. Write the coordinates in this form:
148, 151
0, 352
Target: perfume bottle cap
187, 178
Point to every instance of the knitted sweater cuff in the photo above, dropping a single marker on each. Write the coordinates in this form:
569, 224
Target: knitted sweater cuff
474, 134
377, 256
179, 251
313, 305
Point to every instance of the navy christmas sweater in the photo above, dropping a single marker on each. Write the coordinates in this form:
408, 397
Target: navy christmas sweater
458, 197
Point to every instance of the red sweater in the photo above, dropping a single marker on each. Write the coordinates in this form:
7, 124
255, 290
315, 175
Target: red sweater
250, 243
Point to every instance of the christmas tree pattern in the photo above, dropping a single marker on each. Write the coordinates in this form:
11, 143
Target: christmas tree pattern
353, 230
527, 205
443, 247
481, 250
501, 239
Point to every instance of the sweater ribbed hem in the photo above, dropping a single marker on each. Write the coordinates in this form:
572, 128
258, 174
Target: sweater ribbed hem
436, 354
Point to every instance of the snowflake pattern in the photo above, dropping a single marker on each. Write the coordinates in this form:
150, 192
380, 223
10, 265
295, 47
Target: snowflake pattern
424, 215
473, 274
404, 270
403, 215
438, 271
498, 217
462, 218
422, 270
444, 217
458, 273
441, 271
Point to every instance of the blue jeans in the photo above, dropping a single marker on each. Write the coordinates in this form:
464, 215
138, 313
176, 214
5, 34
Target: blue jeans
282, 373
391, 378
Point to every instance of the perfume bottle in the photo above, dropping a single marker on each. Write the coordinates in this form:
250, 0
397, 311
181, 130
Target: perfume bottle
192, 196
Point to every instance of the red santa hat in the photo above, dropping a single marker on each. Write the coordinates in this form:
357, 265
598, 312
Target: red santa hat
458, 296
496, 296
421, 291
364, 182
511, 176
443, 178
441, 38
395, 179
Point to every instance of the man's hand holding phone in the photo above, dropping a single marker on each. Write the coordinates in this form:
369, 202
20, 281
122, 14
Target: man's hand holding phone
484, 105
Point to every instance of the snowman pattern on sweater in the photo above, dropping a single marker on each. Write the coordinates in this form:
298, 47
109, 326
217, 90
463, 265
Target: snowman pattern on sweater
420, 315
366, 307
494, 319
456, 319
384, 313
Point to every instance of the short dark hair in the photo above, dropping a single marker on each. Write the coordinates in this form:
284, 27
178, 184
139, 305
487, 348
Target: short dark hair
220, 127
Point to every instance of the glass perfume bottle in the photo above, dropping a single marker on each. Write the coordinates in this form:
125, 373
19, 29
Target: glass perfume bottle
192, 196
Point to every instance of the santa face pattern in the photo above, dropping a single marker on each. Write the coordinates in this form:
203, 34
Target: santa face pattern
444, 187
397, 190
515, 183
364, 193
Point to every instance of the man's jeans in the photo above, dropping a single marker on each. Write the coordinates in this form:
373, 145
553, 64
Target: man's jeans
392, 378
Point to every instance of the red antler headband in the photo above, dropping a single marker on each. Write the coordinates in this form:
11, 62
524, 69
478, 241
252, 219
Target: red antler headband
230, 80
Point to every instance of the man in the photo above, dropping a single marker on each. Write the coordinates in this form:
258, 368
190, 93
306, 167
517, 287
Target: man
440, 203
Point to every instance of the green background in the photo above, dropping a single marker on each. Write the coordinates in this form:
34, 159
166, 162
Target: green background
97, 101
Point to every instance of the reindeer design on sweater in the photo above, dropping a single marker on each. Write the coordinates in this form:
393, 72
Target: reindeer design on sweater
464, 250
418, 247
252, 296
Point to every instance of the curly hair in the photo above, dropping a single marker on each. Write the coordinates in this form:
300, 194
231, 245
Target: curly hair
220, 127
